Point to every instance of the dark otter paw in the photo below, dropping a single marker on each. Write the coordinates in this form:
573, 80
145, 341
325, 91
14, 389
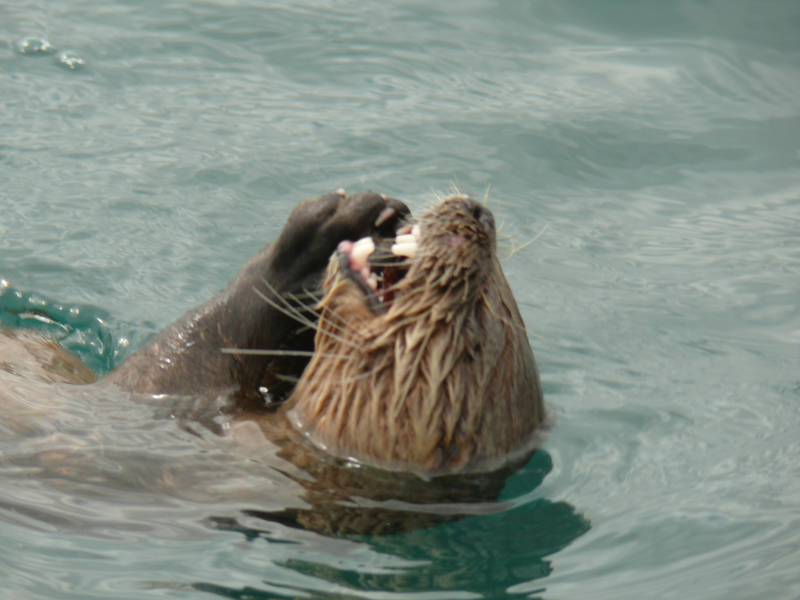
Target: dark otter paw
316, 227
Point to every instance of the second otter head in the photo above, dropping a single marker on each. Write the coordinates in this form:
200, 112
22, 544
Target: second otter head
422, 362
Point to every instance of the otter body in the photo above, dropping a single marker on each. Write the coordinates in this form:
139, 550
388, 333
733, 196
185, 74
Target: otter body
420, 367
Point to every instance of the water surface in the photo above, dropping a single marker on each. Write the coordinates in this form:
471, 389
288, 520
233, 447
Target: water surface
148, 149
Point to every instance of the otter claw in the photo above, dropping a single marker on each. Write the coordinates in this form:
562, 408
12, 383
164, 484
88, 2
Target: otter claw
384, 216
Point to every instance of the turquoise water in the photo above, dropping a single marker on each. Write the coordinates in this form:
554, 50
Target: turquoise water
650, 154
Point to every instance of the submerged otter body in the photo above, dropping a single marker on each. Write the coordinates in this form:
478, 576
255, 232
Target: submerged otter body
420, 367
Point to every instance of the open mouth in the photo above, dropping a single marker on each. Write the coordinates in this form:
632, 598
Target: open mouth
376, 268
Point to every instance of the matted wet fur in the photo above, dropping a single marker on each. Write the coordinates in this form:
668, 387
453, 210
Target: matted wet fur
442, 379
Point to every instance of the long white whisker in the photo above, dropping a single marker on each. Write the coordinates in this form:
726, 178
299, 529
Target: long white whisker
288, 309
308, 294
259, 352
341, 328
513, 251
538, 235
292, 311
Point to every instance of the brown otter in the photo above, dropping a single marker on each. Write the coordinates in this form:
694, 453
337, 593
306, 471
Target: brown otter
427, 372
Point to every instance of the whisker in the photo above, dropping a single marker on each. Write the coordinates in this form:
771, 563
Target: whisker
499, 317
538, 235
260, 352
298, 301
292, 311
295, 313
316, 294
389, 264
505, 238
513, 251
305, 294
286, 378
337, 326
318, 299
288, 310
432, 202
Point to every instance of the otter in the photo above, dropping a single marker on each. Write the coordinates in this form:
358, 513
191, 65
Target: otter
417, 383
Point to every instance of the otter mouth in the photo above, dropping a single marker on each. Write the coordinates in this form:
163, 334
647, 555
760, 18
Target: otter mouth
376, 268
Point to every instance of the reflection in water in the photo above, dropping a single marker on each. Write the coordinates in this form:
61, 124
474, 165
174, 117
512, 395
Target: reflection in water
473, 554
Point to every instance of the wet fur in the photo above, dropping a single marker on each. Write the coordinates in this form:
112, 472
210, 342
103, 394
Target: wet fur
445, 379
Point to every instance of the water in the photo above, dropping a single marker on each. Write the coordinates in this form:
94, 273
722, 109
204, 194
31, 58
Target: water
147, 149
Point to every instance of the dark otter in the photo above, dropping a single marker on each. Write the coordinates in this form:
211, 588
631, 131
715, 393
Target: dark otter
187, 358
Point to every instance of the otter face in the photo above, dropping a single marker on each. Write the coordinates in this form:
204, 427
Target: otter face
421, 358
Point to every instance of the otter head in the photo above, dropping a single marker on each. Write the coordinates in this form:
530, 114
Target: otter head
422, 365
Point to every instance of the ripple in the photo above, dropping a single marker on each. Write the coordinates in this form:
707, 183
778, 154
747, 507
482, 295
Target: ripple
657, 142
70, 60
34, 45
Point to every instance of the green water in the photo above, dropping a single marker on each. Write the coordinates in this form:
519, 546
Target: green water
653, 148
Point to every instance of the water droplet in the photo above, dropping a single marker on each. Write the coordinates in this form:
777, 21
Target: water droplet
34, 45
70, 60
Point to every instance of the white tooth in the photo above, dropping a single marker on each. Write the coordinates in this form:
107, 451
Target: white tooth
408, 249
361, 250
365, 273
415, 231
406, 238
372, 282
365, 241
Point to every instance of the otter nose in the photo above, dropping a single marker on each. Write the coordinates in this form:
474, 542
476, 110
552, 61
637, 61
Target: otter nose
480, 213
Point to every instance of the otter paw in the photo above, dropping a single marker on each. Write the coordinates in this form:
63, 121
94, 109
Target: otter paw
316, 227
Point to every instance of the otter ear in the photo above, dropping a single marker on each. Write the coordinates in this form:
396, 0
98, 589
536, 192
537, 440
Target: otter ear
316, 227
